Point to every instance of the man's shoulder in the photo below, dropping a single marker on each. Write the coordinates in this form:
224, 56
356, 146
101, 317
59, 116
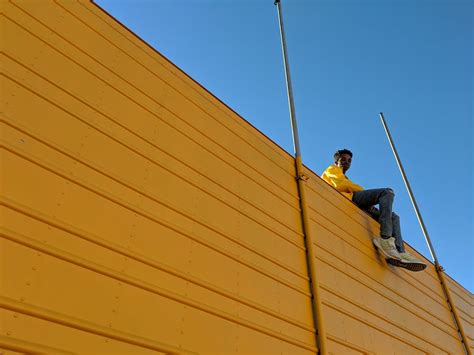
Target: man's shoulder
331, 170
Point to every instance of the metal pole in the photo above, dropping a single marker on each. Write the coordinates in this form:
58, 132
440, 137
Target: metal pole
289, 88
410, 192
439, 269
301, 179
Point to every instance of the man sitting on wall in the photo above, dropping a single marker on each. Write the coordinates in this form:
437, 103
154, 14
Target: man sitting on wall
390, 242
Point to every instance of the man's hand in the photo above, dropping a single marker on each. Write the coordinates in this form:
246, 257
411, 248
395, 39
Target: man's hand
373, 209
374, 212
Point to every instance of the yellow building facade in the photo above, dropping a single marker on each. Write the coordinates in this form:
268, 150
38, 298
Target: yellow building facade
140, 215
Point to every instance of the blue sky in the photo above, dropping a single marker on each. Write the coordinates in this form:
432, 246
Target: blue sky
350, 59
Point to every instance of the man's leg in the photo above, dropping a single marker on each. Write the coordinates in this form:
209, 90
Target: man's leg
393, 247
382, 197
408, 261
397, 233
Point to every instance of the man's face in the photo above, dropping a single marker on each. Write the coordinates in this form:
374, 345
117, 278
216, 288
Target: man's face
344, 162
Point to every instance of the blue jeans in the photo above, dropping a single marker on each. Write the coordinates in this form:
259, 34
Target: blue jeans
389, 221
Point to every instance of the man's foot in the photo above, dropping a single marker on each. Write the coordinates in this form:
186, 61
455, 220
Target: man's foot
387, 247
408, 262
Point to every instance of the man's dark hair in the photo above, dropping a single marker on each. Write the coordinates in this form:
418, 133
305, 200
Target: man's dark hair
338, 154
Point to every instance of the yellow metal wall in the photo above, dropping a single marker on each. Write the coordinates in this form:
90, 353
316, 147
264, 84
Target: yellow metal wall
464, 302
141, 215
369, 307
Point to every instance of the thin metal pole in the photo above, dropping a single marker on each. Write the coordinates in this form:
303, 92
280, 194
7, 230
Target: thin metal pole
410, 192
289, 88
316, 303
438, 268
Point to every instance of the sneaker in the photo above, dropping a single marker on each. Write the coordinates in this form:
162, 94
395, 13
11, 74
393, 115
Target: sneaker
387, 247
411, 263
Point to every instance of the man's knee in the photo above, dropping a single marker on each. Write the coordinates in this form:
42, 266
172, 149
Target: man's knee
395, 216
389, 191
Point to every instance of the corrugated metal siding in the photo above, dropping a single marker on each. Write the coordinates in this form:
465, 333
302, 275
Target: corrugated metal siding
144, 206
367, 303
464, 301
140, 214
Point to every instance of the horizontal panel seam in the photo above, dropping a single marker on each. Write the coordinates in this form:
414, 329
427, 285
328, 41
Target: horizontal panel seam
156, 147
370, 256
463, 318
20, 239
348, 344
456, 292
181, 93
352, 236
71, 322
154, 115
240, 120
385, 319
367, 275
18, 345
442, 304
96, 240
373, 326
166, 224
385, 296
287, 239
127, 185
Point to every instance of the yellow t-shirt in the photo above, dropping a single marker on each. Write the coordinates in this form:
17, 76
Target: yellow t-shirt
334, 176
